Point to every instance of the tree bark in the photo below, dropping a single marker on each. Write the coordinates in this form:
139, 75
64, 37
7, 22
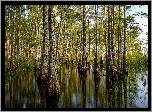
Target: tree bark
109, 46
96, 34
37, 42
84, 37
118, 69
124, 53
43, 61
53, 82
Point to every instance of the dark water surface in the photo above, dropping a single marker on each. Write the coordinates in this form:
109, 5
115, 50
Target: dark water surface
80, 92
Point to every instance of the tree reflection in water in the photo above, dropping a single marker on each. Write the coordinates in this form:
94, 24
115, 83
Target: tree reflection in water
47, 100
83, 85
116, 91
96, 84
93, 92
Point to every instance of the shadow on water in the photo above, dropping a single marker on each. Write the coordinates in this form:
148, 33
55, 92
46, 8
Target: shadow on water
79, 91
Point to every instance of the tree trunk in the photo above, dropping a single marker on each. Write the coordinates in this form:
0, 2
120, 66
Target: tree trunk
84, 38
96, 34
124, 53
53, 82
113, 32
89, 39
109, 54
43, 61
119, 42
37, 41
18, 37
112, 35
13, 41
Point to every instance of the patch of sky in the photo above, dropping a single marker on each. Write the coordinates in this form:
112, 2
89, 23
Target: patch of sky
143, 24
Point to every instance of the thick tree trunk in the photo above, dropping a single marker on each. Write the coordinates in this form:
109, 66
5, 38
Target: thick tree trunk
42, 75
53, 82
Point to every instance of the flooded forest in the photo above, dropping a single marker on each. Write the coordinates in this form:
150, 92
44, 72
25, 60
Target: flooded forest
75, 56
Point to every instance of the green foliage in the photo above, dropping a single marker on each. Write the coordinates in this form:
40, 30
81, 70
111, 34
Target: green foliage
24, 37
136, 61
20, 65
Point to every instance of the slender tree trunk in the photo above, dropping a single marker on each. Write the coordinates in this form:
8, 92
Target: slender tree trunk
89, 39
119, 42
124, 53
43, 61
96, 34
112, 35
51, 38
113, 29
78, 47
60, 36
121, 56
8, 35
13, 41
57, 45
64, 51
81, 46
84, 37
37, 45
18, 39
109, 56
105, 38
14, 33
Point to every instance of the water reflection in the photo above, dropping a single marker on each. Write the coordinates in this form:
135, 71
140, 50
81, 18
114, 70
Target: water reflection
52, 102
80, 91
83, 86
96, 83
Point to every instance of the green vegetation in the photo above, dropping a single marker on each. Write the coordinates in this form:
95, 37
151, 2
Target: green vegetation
25, 31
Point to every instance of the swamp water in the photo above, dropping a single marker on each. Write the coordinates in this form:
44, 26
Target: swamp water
77, 92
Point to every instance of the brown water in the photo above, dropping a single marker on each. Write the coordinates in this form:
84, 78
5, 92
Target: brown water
80, 92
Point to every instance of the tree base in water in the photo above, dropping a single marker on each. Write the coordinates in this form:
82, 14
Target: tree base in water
52, 100
82, 72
